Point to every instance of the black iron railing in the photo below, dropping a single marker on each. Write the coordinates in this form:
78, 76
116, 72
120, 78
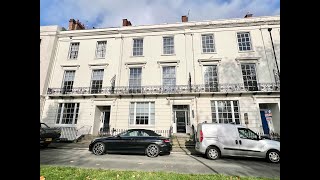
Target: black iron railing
177, 89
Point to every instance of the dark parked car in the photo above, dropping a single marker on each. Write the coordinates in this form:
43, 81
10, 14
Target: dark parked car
48, 135
132, 141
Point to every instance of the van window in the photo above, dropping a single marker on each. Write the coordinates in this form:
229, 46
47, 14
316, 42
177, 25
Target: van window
247, 134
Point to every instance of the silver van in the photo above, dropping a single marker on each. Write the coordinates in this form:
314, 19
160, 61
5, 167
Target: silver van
216, 140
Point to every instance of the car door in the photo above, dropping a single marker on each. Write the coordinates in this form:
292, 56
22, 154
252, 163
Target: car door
127, 141
229, 139
249, 144
142, 141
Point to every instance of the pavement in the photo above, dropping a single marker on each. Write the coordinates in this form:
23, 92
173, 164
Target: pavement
175, 162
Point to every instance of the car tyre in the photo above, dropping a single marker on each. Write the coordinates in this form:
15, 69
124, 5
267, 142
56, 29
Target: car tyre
99, 148
213, 153
273, 156
152, 150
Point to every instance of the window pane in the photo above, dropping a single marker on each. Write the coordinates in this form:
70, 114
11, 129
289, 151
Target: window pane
168, 45
67, 84
142, 110
207, 43
210, 78
169, 76
137, 47
226, 112
101, 49
70, 112
135, 80
249, 77
244, 41
73, 52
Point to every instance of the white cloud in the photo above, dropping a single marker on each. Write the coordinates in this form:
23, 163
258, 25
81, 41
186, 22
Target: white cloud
109, 13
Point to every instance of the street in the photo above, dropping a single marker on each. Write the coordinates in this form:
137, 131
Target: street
175, 162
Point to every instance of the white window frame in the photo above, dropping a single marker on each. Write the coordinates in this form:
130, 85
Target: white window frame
105, 49
203, 74
133, 47
129, 75
255, 66
173, 53
77, 105
251, 43
214, 44
135, 113
232, 111
70, 48
92, 76
64, 76
162, 73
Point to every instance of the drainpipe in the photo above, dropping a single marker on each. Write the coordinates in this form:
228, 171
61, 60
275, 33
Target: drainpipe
194, 70
274, 53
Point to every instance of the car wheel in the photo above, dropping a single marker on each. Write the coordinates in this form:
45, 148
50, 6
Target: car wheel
213, 153
152, 150
99, 148
273, 156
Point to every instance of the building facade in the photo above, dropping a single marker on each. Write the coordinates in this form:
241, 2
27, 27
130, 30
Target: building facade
48, 41
167, 77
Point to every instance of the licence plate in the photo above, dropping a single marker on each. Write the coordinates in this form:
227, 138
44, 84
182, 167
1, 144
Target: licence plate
48, 139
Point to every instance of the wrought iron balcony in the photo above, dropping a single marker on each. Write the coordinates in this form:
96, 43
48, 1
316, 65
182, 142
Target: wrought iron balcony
178, 89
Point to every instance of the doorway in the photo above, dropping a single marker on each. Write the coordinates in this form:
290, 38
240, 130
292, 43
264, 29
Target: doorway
181, 117
105, 119
270, 117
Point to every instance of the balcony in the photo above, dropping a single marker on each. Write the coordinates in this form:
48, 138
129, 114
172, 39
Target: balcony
178, 89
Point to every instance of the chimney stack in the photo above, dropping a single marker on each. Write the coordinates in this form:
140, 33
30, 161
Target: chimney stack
248, 15
75, 25
184, 18
125, 22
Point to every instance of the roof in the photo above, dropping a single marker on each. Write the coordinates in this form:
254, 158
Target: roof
177, 26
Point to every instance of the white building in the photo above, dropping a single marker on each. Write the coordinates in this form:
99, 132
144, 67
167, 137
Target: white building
167, 76
48, 41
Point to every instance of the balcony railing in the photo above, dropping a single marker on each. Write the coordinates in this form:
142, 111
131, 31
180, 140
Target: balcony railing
178, 89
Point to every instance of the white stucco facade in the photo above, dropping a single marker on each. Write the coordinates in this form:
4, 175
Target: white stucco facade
48, 41
192, 100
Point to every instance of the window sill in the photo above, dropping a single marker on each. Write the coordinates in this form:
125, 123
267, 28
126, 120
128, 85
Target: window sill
245, 51
99, 58
168, 54
209, 53
136, 56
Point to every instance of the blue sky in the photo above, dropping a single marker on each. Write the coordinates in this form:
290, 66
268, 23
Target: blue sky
109, 13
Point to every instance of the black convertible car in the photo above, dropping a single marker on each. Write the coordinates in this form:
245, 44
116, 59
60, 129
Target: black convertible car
132, 141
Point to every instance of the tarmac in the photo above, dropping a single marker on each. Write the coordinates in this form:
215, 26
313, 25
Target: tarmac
84, 145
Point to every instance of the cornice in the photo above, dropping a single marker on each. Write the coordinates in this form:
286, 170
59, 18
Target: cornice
173, 27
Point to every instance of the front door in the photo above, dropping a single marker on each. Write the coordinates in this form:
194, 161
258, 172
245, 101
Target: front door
106, 121
265, 125
181, 121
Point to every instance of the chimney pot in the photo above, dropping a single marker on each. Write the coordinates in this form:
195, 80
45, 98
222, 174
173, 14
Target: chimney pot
125, 22
75, 25
184, 18
248, 15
